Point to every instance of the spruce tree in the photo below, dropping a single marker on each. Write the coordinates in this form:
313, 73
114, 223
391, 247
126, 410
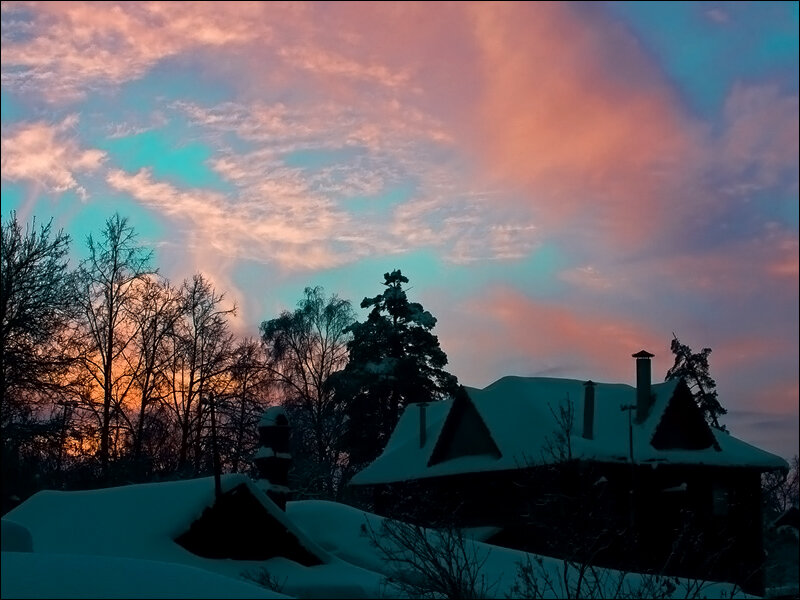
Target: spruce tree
395, 360
693, 368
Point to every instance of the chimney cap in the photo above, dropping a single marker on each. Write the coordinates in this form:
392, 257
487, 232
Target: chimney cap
590, 382
643, 354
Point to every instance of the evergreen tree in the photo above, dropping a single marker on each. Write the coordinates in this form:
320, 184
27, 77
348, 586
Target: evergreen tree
395, 360
693, 368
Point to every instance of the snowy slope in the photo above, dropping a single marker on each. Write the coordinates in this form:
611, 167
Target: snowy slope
44, 575
343, 531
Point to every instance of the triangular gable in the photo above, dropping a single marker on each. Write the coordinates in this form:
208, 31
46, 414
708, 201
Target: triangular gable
464, 433
219, 532
682, 426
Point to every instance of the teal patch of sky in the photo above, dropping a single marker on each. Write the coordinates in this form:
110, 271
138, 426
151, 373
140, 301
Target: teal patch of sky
381, 205
779, 207
705, 58
10, 108
84, 218
181, 163
12, 197
535, 274
432, 280
352, 281
165, 83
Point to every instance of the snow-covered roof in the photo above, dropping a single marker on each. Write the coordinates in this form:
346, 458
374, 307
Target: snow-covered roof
270, 416
517, 412
265, 452
153, 515
137, 523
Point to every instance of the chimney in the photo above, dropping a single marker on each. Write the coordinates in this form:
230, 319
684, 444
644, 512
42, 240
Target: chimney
274, 459
643, 378
422, 423
588, 410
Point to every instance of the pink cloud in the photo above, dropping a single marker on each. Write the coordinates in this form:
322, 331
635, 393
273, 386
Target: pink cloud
48, 155
588, 277
78, 45
327, 63
578, 118
543, 338
554, 103
510, 333
761, 134
779, 397
741, 268
291, 228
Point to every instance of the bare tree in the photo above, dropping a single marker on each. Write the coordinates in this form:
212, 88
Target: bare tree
781, 490
558, 446
201, 345
154, 312
431, 563
106, 290
249, 378
538, 577
304, 348
36, 310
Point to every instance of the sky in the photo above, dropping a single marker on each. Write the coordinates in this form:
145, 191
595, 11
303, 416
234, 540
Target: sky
564, 184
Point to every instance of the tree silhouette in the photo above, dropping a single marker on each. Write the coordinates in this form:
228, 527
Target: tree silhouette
106, 290
305, 348
395, 360
36, 307
693, 368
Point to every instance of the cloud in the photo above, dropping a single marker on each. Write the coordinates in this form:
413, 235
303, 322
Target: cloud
760, 143
66, 48
718, 16
281, 224
763, 263
587, 277
327, 63
48, 155
392, 146
556, 104
579, 120
513, 333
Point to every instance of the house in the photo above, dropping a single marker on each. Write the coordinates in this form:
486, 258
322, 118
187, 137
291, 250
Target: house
168, 540
631, 477
170, 520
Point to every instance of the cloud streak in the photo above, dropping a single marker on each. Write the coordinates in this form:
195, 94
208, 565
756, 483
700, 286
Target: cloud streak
48, 155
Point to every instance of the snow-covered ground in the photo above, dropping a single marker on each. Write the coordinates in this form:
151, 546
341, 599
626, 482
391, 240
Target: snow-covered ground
119, 542
344, 531
46, 575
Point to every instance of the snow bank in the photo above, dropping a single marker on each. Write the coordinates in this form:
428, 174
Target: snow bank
44, 575
344, 531
15, 538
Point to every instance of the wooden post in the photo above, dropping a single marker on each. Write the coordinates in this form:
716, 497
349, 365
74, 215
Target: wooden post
214, 449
